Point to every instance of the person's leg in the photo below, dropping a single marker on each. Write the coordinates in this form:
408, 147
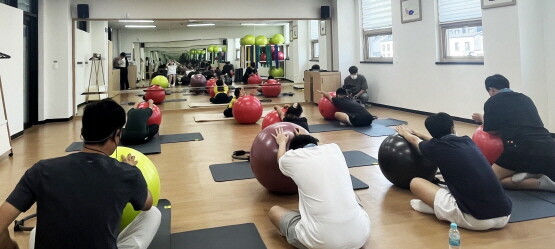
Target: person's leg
425, 191
122, 78
228, 112
343, 118
140, 232
363, 98
276, 214
285, 221
152, 130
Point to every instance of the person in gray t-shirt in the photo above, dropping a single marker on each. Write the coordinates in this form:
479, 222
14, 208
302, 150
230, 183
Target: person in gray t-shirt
356, 85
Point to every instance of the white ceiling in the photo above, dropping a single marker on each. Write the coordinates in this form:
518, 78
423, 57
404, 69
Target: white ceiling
182, 24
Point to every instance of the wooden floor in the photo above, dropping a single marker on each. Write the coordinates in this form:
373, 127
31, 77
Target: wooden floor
199, 202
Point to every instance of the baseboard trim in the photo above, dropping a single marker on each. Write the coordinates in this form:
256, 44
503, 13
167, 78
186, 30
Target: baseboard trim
464, 120
56, 120
14, 136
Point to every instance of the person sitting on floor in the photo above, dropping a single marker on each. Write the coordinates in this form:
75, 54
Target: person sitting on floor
220, 91
137, 131
330, 214
351, 112
292, 115
239, 92
474, 198
81, 196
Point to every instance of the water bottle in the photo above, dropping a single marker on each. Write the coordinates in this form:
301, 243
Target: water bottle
454, 237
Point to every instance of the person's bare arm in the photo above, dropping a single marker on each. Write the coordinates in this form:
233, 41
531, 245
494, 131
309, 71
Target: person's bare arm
8, 213
325, 94
478, 118
421, 135
407, 134
150, 103
148, 202
279, 112
359, 93
281, 140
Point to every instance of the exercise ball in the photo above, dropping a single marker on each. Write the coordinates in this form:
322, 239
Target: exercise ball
242, 42
271, 89
156, 93
280, 56
198, 81
263, 57
254, 80
224, 48
264, 162
156, 117
249, 40
247, 110
210, 49
400, 162
276, 72
210, 87
327, 108
490, 145
261, 40
161, 81
278, 39
150, 173
272, 118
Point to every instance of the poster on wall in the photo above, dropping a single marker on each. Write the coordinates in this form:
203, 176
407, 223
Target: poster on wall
411, 11
486, 4
295, 30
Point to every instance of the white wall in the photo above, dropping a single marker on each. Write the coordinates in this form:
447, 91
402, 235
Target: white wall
299, 53
99, 45
11, 70
82, 64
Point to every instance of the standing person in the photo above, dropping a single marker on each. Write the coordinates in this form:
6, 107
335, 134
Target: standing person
227, 69
330, 214
123, 63
528, 159
248, 72
356, 85
80, 197
481, 205
172, 71
137, 131
147, 67
351, 113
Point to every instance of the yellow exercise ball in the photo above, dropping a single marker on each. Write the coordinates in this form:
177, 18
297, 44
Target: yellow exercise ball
150, 173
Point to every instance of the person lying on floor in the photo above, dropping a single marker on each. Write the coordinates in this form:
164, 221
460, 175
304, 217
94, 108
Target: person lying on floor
474, 198
351, 112
137, 130
293, 115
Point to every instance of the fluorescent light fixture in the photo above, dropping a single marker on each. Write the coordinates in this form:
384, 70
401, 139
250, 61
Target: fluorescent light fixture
140, 26
136, 21
200, 24
254, 24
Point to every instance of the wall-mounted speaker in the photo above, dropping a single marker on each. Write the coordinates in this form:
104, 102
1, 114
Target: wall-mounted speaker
82, 10
325, 12
224, 42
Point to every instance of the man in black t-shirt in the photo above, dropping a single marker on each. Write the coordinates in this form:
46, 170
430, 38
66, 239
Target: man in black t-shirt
352, 113
528, 159
248, 72
356, 85
80, 197
136, 130
474, 199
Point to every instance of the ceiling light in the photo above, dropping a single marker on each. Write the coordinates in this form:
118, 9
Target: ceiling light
140, 26
135, 21
200, 24
254, 24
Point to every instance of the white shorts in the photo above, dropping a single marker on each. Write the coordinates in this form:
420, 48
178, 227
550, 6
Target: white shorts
445, 208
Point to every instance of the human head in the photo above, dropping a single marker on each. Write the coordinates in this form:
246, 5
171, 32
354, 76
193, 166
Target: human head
295, 110
227, 62
315, 67
495, 83
340, 92
122, 54
219, 82
102, 121
353, 70
237, 92
439, 125
300, 141
253, 65
271, 77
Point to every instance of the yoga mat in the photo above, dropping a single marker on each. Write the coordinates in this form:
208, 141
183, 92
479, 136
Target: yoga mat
389, 122
375, 130
242, 236
162, 239
207, 117
358, 184
150, 147
529, 207
544, 195
196, 105
184, 137
174, 100
332, 126
357, 158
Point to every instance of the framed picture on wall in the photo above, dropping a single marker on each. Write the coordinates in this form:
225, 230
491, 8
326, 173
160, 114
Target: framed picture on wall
486, 4
411, 11
322, 27
295, 30
291, 35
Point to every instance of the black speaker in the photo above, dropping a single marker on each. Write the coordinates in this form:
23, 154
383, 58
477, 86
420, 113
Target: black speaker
82, 10
224, 42
325, 12
142, 44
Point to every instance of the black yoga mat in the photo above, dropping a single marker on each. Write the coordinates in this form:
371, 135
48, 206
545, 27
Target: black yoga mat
357, 158
240, 236
529, 207
332, 126
177, 138
358, 184
162, 239
389, 122
374, 130
174, 100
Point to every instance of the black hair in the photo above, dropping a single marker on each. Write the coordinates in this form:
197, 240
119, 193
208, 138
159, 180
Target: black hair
237, 92
301, 141
101, 120
341, 91
315, 67
220, 84
353, 70
295, 110
123, 54
271, 77
253, 64
496, 81
439, 125
227, 62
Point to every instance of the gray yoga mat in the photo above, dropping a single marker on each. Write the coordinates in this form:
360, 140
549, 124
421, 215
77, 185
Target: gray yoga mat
240, 236
150, 147
332, 126
389, 122
162, 239
544, 195
375, 130
177, 138
529, 207
358, 184
242, 170
174, 100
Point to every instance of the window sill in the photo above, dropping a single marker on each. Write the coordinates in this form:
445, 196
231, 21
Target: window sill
314, 60
460, 63
377, 62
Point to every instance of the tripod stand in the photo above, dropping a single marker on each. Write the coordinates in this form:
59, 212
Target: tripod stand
96, 66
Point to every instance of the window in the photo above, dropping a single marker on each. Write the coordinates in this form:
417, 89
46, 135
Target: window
376, 29
460, 22
314, 44
315, 50
237, 54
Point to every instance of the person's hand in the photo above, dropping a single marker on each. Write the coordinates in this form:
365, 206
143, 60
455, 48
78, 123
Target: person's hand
300, 132
286, 106
129, 159
150, 101
320, 91
277, 107
281, 138
404, 131
478, 117
242, 92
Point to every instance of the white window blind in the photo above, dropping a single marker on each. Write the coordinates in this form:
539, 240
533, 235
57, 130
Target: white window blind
376, 14
459, 10
314, 30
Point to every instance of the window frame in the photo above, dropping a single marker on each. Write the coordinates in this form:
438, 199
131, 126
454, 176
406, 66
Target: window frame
376, 32
237, 54
312, 50
444, 44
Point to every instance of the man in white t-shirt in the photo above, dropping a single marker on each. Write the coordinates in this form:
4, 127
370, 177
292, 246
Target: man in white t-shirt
329, 214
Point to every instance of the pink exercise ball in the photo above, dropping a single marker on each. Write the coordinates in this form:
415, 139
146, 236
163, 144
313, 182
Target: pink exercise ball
327, 108
490, 145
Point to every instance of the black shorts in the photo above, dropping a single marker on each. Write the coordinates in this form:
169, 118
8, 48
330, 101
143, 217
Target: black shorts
360, 120
536, 157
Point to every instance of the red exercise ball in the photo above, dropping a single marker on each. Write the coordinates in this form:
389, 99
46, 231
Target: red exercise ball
327, 108
280, 55
271, 89
264, 162
156, 93
490, 145
198, 80
254, 80
156, 117
271, 118
247, 110
263, 57
210, 87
